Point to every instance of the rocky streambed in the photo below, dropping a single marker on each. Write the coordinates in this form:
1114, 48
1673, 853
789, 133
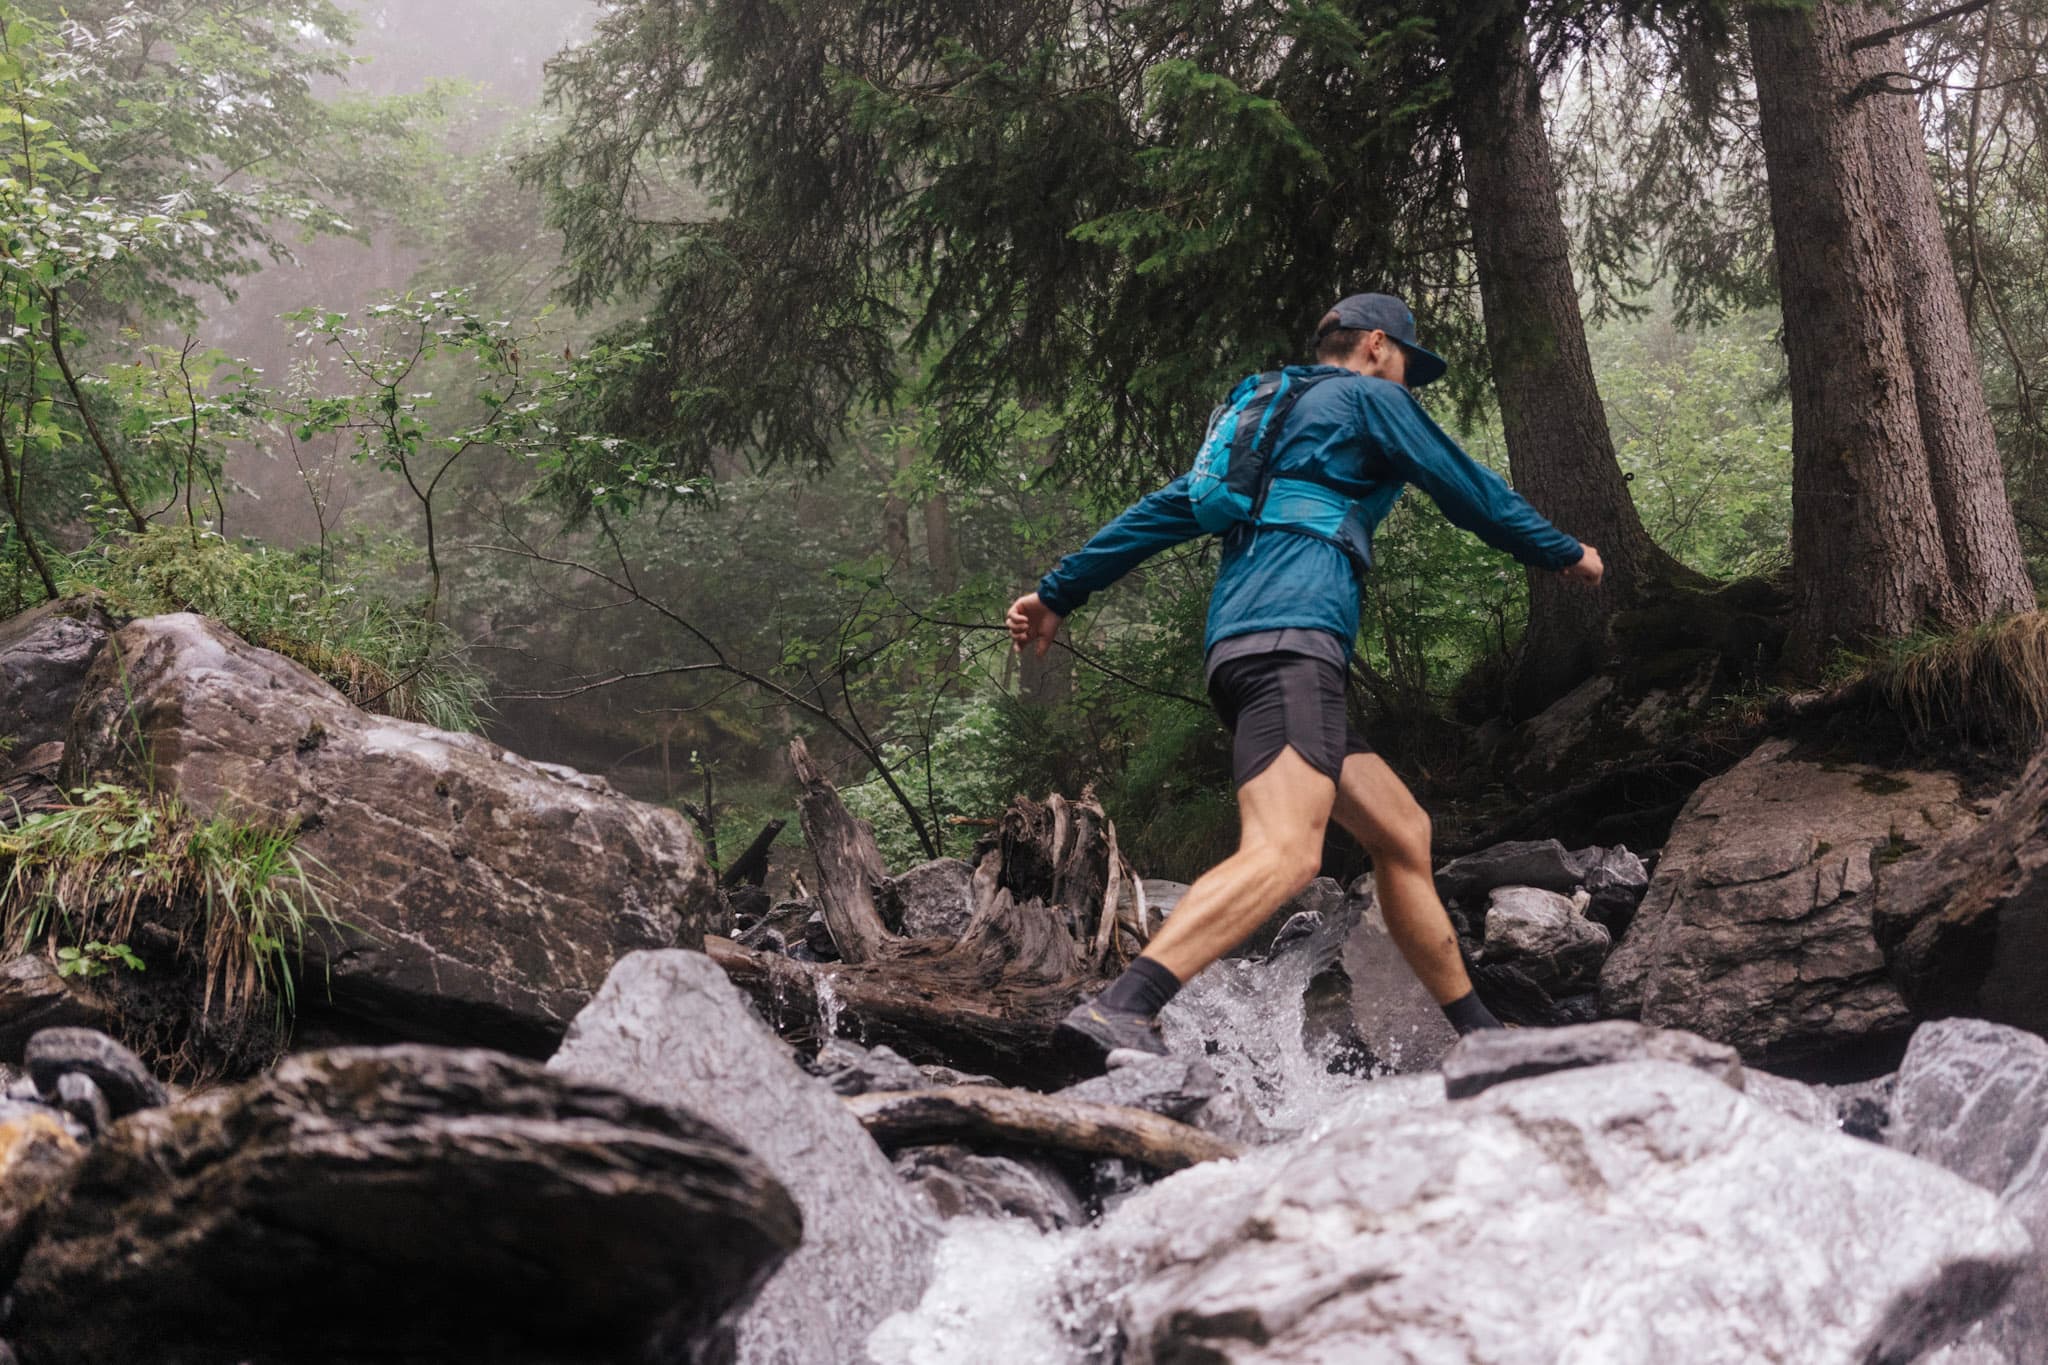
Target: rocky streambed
566, 1101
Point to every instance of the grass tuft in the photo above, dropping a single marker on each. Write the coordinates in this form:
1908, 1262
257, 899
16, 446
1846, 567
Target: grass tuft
80, 874
1988, 682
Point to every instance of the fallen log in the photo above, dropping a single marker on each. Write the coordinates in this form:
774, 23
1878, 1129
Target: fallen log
981, 1113
849, 864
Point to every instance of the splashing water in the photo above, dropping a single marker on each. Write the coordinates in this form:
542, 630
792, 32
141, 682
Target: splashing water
987, 1302
829, 1007
1248, 1018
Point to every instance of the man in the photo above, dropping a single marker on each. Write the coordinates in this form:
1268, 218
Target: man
1281, 621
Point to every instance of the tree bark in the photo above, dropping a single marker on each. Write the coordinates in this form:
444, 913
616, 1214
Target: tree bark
1899, 518
849, 865
906, 1118
1559, 449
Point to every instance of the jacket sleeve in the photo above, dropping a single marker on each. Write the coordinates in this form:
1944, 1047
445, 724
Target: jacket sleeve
1471, 495
1153, 523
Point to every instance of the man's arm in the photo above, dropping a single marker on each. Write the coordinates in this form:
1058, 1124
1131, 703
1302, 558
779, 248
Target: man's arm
1153, 523
1471, 495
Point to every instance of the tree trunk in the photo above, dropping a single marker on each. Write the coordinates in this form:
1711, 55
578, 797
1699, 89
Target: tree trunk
1899, 516
1559, 449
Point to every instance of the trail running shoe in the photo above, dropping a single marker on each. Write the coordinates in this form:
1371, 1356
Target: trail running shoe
1092, 1031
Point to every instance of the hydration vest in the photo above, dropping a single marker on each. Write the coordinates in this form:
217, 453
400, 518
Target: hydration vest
1231, 483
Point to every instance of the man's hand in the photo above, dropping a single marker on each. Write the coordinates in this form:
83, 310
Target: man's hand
1588, 570
1031, 620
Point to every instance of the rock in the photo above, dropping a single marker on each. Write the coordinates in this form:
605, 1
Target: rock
931, 900
38, 1148
670, 1027
1756, 928
959, 1183
1183, 1088
1396, 1018
1622, 1213
33, 997
1544, 934
851, 1069
1552, 741
118, 1073
1864, 1108
1542, 863
1492, 1057
439, 1205
1809, 1104
44, 655
1972, 1097
485, 896
79, 1097
1965, 930
1616, 881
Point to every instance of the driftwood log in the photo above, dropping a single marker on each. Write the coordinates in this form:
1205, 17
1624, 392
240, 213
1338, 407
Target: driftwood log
1057, 910
984, 1114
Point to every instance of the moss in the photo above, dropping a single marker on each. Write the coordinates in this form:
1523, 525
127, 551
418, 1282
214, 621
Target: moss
1882, 784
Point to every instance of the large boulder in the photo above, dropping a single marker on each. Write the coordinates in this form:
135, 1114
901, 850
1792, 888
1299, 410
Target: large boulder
1972, 1097
33, 997
484, 897
402, 1205
672, 1028
1965, 931
44, 655
1642, 1211
1496, 1056
1756, 928
1546, 935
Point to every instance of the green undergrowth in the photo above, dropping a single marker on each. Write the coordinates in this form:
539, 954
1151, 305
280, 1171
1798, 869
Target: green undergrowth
385, 658
121, 884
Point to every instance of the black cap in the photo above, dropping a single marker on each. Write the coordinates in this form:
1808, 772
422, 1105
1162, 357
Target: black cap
1385, 313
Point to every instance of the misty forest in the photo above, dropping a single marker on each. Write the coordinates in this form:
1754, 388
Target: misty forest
559, 809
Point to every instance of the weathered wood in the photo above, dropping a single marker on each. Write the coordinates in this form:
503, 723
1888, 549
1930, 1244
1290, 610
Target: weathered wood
751, 867
903, 1118
849, 865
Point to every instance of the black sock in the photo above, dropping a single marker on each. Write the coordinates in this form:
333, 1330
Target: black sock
1468, 1014
1145, 987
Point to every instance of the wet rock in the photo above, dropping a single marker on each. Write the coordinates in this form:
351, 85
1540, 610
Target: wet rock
1544, 934
44, 655
1322, 903
1768, 1239
1397, 1020
1756, 928
79, 1097
116, 1072
439, 1205
931, 900
1183, 1088
33, 997
671, 1028
38, 1147
1972, 1097
960, 1183
1864, 1108
851, 1069
1541, 863
1494, 1056
1965, 930
486, 896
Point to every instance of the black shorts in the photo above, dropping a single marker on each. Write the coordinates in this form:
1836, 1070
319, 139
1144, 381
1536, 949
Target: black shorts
1271, 701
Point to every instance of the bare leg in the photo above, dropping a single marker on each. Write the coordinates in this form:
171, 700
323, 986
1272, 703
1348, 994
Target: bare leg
1379, 811
1281, 813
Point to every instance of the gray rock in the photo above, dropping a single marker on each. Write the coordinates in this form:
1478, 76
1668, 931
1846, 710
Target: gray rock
851, 1069
1544, 934
1616, 881
1965, 929
1559, 739
1972, 1097
486, 896
1397, 1020
1494, 1056
44, 655
1809, 1104
79, 1097
1184, 1088
931, 900
1864, 1108
1540, 863
1756, 928
1623, 1213
671, 1027
959, 1183
440, 1205
33, 997
118, 1073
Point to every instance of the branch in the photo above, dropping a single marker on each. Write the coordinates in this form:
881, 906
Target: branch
904, 1118
1885, 35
